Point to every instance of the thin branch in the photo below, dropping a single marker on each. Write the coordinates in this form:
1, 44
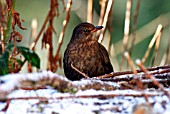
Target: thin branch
2, 39
131, 64
168, 51
113, 74
142, 34
160, 77
109, 95
126, 30
65, 22
168, 55
110, 29
155, 82
134, 26
34, 28
102, 10
157, 47
39, 34
90, 11
138, 81
158, 31
6, 106
83, 74
108, 9
32, 47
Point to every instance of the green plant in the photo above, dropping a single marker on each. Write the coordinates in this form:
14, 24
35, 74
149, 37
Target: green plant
11, 54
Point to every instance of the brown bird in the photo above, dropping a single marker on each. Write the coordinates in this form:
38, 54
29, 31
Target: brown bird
85, 54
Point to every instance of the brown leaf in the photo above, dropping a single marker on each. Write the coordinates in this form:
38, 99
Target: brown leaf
22, 20
47, 37
64, 5
15, 35
16, 20
54, 5
9, 5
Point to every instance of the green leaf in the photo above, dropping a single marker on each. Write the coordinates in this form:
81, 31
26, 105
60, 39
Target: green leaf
30, 56
4, 63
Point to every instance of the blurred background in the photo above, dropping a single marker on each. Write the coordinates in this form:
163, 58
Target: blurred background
151, 14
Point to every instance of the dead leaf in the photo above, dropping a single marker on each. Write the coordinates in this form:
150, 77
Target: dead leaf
16, 20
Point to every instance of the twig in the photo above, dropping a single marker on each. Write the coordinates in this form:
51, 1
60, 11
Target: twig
39, 34
168, 55
134, 26
110, 29
108, 9
100, 96
65, 22
126, 30
141, 33
32, 47
131, 64
83, 74
2, 39
158, 30
161, 71
138, 81
168, 50
155, 82
90, 11
150, 82
38, 87
157, 47
129, 80
113, 74
34, 29
6, 106
64, 5
102, 10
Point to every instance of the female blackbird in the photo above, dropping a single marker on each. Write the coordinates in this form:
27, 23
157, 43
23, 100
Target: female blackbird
85, 54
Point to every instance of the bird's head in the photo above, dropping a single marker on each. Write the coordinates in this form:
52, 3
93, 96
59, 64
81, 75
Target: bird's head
84, 31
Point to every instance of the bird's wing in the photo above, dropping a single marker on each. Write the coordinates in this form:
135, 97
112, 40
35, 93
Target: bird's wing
106, 61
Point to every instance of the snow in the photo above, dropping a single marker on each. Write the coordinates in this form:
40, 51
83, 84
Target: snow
118, 102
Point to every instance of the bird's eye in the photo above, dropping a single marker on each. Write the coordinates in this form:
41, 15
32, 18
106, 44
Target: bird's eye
85, 30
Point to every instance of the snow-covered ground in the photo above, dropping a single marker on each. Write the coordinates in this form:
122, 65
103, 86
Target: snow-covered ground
60, 103
51, 101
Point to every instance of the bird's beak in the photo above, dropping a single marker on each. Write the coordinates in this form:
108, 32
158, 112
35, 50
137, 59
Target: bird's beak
96, 28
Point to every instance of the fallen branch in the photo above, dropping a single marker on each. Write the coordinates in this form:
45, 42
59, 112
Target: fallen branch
34, 81
113, 74
100, 96
155, 82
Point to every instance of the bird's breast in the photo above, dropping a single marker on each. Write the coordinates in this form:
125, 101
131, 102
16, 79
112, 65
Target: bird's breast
83, 54
85, 49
